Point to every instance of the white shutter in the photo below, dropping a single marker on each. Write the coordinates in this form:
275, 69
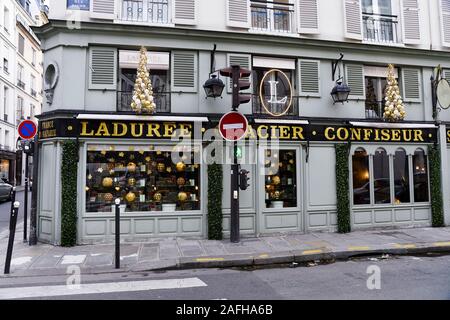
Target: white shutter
353, 19
238, 13
184, 71
354, 76
103, 9
411, 85
185, 12
446, 74
445, 22
411, 21
308, 16
102, 68
309, 78
244, 60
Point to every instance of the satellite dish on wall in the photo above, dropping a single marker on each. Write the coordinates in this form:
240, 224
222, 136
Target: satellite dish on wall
443, 93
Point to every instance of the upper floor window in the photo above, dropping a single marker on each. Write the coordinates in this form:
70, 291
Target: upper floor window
20, 82
6, 19
19, 111
272, 15
379, 22
158, 64
151, 11
33, 56
375, 83
33, 85
21, 45
5, 66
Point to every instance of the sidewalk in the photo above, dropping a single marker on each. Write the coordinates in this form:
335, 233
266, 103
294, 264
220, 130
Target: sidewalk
180, 253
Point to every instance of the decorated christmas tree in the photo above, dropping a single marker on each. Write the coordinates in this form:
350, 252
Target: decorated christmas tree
143, 92
394, 109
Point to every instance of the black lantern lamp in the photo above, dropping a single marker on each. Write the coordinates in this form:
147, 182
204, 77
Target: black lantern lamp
341, 90
213, 87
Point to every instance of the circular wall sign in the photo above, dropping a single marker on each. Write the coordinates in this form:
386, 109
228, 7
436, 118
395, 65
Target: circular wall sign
275, 93
443, 93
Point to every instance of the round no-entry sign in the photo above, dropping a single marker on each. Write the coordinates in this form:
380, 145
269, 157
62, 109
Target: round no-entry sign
233, 126
27, 129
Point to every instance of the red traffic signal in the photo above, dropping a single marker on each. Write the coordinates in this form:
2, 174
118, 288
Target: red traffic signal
228, 72
235, 72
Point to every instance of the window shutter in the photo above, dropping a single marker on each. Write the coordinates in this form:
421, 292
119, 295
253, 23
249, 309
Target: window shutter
355, 80
353, 19
411, 85
445, 22
411, 24
102, 68
238, 13
103, 9
185, 12
184, 71
446, 74
244, 60
309, 78
308, 17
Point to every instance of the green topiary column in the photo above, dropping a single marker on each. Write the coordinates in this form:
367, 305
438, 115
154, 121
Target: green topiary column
342, 188
215, 190
69, 175
437, 212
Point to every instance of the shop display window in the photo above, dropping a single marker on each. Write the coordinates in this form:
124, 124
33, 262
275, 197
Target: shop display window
361, 182
381, 182
420, 173
145, 178
280, 179
401, 177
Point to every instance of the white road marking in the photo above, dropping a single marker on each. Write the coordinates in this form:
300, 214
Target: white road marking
99, 288
76, 259
130, 256
20, 261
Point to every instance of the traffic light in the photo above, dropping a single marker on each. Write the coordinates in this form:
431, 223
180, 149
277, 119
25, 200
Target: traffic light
243, 179
236, 73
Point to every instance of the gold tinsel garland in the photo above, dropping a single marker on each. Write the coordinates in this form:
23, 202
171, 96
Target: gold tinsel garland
394, 109
143, 101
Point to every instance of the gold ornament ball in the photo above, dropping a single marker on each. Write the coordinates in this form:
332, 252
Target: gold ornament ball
108, 197
277, 194
131, 167
182, 196
130, 197
160, 167
181, 181
180, 166
157, 196
107, 182
276, 180
132, 181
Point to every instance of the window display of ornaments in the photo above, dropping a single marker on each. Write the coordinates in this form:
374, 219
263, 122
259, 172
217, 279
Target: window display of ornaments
276, 195
142, 100
87, 188
112, 160
148, 159
107, 182
100, 170
142, 182
111, 172
181, 181
89, 176
130, 197
131, 181
131, 167
169, 169
182, 196
121, 154
157, 197
276, 180
161, 167
191, 182
142, 198
117, 188
131, 156
103, 152
108, 197
180, 166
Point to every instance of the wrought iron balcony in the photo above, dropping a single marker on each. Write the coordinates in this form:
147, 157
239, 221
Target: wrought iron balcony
162, 100
33, 93
258, 108
21, 84
374, 109
146, 11
272, 17
380, 28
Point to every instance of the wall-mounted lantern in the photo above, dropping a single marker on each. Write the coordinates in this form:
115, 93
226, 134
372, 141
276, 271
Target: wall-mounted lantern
213, 86
341, 90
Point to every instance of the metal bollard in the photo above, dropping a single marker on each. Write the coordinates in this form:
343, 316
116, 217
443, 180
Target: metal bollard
13, 198
12, 232
117, 218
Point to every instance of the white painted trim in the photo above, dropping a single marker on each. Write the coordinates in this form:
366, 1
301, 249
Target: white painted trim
285, 121
132, 117
391, 125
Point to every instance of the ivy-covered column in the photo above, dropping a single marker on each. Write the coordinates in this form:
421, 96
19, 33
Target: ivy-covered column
69, 176
215, 190
342, 188
437, 210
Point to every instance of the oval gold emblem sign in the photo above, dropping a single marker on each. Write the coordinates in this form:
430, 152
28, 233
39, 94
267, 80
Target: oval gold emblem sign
275, 93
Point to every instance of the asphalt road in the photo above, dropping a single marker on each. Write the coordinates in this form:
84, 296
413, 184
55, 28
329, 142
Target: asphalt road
417, 278
5, 210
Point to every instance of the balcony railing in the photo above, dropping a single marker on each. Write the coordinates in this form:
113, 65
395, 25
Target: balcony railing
380, 28
33, 93
374, 109
258, 108
21, 84
124, 98
146, 11
272, 17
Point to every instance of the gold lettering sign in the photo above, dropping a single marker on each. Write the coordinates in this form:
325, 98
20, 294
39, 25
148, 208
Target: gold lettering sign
48, 130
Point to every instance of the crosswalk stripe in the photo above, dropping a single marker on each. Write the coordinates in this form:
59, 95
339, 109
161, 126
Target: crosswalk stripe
99, 288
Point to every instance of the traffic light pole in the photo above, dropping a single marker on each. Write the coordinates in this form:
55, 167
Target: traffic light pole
234, 236
25, 207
